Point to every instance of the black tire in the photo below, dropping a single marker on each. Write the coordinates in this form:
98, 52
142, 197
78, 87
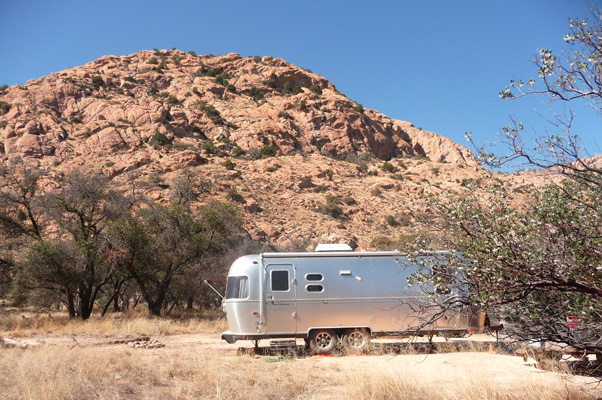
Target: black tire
356, 341
323, 341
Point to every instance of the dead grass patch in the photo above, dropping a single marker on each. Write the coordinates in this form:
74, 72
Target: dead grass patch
123, 325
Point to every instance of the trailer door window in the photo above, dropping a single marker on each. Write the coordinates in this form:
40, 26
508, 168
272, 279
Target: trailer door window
237, 287
280, 281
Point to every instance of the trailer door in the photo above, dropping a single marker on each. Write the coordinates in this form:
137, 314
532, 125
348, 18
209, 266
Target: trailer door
281, 290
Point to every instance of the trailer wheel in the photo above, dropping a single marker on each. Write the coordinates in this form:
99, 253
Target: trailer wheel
323, 341
356, 340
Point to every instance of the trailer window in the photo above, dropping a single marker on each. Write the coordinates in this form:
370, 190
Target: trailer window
237, 287
314, 277
314, 288
279, 281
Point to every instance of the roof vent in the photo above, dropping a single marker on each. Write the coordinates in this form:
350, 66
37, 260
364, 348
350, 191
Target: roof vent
326, 247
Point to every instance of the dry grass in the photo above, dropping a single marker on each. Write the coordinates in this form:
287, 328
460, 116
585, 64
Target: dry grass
199, 366
408, 384
124, 325
114, 373
60, 372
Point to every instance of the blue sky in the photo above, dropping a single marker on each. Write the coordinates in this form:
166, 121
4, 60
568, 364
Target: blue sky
439, 64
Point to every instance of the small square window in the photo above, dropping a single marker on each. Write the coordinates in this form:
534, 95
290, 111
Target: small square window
280, 281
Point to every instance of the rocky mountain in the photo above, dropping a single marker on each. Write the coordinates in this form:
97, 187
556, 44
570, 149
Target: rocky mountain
305, 163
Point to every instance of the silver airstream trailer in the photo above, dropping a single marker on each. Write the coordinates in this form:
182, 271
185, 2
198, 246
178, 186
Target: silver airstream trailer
332, 295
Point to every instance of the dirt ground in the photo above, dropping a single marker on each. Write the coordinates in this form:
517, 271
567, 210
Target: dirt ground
453, 363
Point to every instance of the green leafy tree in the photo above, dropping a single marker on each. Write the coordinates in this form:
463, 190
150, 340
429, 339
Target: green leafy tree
165, 242
56, 241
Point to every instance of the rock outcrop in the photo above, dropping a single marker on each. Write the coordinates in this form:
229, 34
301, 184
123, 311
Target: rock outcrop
304, 163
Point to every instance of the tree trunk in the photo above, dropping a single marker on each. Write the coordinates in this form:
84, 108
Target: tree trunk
70, 305
189, 302
154, 308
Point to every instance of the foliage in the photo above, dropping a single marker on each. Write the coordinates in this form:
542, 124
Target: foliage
69, 253
388, 167
234, 195
350, 201
359, 108
172, 100
540, 265
255, 93
98, 81
211, 112
267, 151
163, 242
228, 164
317, 89
208, 145
153, 61
237, 152
158, 139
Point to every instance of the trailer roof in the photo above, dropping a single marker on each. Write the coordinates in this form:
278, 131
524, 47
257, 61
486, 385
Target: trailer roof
333, 254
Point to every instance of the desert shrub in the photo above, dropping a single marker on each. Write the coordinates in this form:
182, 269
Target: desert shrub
195, 90
109, 163
213, 72
234, 195
285, 115
162, 65
255, 93
257, 59
373, 172
98, 81
388, 167
253, 154
329, 173
331, 207
315, 89
376, 192
192, 53
359, 108
320, 188
129, 79
76, 119
269, 58
207, 145
211, 112
332, 199
158, 139
326, 110
303, 105
391, 220
471, 182
228, 164
237, 151
153, 61
270, 83
436, 170
267, 151
350, 201
172, 100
